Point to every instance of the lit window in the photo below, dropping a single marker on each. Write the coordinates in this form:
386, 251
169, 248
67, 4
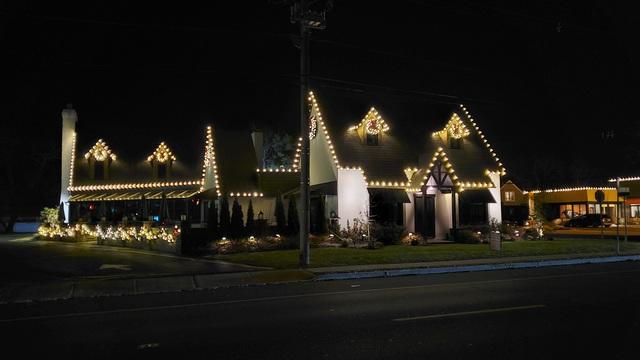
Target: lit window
509, 196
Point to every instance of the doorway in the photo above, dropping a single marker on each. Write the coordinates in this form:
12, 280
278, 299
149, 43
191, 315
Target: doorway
425, 215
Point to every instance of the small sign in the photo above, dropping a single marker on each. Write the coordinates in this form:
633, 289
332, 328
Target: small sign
599, 196
624, 191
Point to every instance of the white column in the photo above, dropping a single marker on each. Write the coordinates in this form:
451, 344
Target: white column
495, 209
69, 119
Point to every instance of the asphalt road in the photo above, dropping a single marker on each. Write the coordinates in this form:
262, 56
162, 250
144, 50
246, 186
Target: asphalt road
587, 311
23, 260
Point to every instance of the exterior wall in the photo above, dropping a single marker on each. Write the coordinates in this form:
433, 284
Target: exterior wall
409, 214
443, 215
519, 197
69, 119
495, 209
265, 204
321, 166
353, 197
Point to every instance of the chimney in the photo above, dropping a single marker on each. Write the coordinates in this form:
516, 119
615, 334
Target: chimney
69, 119
257, 137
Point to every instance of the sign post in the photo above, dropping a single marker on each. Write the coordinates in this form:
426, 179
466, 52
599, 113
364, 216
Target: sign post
624, 191
600, 199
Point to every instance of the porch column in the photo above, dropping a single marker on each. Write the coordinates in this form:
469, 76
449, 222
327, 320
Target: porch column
454, 215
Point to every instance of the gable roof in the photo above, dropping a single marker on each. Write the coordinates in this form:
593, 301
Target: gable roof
410, 140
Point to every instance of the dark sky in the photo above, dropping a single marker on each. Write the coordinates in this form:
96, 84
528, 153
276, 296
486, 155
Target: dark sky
545, 79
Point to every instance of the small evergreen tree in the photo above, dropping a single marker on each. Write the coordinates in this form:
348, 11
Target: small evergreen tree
250, 226
293, 224
225, 219
279, 213
237, 224
212, 221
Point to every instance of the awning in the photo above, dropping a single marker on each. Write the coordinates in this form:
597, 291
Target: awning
388, 195
134, 195
477, 196
329, 188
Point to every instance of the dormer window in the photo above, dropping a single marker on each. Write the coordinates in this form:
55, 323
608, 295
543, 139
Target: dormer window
371, 128
454, 132
372, 139
100, 158
161, 161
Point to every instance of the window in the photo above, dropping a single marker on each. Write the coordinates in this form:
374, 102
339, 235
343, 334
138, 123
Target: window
509, 196
162, 171
98, 170
372, 139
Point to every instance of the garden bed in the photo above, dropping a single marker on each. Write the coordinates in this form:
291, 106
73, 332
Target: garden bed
395, 254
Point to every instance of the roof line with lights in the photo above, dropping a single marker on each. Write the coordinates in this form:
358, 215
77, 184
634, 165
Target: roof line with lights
100, 152
372, 117
629, 178
318, 116
128, 186
460, 184
503, 171
73, 158
454, 127
162, 154
210, 161
568, 189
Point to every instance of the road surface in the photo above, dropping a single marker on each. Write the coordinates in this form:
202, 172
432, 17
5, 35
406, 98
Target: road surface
585, 311
24, 260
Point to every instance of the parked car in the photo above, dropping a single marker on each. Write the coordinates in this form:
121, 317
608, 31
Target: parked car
589, 220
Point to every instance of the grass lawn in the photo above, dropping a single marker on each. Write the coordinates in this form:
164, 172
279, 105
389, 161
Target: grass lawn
321, 257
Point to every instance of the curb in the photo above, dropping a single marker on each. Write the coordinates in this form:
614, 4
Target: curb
472, 268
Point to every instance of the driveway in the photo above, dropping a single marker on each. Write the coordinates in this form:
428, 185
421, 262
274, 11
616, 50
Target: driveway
25, 260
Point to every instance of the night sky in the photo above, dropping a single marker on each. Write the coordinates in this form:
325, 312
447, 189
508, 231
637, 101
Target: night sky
552, 85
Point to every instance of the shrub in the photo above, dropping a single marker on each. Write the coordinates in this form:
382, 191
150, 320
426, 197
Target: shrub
237, 224
49, 216
225, 218
465, 236
356, 231
250, 225
412, 239
388, 233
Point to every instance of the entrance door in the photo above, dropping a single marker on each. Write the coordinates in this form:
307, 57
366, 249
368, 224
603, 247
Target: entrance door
316, 215
425, 215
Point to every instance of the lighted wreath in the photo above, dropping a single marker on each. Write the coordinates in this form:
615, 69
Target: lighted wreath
374, 123
100, 152
162, 154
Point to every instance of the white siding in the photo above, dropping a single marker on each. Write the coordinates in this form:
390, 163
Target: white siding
353, 197
495, 209
443, 215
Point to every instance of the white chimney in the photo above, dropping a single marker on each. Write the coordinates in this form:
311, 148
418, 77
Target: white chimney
257, 136
69, 119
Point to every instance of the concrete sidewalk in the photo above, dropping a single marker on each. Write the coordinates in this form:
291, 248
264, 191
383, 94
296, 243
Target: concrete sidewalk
83, 288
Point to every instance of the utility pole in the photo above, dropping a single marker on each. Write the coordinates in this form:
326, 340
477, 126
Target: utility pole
308, 19
617, 216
